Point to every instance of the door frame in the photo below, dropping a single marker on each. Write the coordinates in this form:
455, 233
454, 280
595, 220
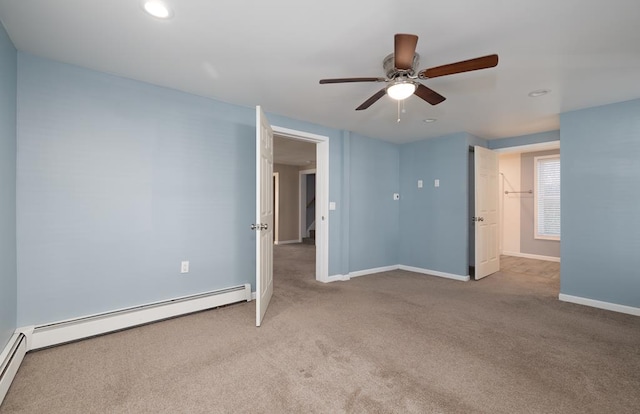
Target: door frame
302, 202
276, 207
322, 195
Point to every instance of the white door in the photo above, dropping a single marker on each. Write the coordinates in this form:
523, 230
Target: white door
264, 214
487, 256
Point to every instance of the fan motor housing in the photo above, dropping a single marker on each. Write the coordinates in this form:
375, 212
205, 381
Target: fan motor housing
390, 68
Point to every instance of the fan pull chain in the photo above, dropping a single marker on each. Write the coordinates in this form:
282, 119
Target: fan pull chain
400, 110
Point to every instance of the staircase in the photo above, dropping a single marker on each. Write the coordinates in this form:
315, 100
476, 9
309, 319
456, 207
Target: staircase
311, 239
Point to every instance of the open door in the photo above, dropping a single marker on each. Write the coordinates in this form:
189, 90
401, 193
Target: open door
487, 256
264, 214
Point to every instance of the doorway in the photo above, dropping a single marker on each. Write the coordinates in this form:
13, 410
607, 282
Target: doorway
303, 153
521, 204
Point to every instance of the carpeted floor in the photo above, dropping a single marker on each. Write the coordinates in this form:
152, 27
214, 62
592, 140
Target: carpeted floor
395, 342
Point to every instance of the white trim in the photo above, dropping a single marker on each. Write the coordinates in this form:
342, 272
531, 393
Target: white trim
10, 360
276, 209
336, 278
435, 273
364, 272
98, 324
287, 242
599, 304
299, 135
322, 195
253, 295
533, 256
542, 146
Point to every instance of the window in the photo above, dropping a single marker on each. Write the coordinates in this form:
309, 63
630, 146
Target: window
547, 197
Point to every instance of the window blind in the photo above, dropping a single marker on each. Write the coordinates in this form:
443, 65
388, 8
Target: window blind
548, 197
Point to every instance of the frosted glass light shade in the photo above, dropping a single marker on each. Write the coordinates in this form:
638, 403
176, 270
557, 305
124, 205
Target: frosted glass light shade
157, 9
401, 90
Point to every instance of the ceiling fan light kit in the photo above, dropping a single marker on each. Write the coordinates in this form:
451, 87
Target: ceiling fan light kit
401, 89
402, 76
157, 9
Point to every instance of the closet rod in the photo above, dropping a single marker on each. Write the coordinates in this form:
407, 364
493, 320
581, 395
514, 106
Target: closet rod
528, 192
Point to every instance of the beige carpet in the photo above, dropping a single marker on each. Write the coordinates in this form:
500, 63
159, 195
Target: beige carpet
395, 342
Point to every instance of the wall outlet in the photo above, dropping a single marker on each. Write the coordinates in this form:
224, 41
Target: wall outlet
419, 183
396, 196
184, 266
436, 183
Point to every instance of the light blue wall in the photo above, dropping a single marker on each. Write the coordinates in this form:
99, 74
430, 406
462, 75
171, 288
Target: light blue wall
539, 138
8, 274
118, 181
434, 221
600, 203
374, 214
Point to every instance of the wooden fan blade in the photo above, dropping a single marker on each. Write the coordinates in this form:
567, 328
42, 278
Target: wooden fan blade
347, 80
459, 67
371, 100
404, 50
429, 95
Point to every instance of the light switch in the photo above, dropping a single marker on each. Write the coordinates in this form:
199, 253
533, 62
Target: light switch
419, 183
436, 183
332, 205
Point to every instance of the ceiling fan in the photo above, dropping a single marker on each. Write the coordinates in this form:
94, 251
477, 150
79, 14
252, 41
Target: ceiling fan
401, 70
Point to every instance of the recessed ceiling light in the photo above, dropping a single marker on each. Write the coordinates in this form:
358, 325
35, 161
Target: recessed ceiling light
539, 92
429, 120
157, 9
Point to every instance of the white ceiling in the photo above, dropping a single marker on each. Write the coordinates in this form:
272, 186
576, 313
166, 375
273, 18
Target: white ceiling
273, 53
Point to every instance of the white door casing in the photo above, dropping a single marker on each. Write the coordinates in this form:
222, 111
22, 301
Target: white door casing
487, 241
264, 214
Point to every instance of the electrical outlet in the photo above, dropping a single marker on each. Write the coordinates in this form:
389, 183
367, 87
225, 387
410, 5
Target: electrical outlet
184, 266
396, 196
419, 183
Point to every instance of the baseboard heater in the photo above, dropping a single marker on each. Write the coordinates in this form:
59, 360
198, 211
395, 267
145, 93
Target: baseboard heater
43, 336
10, 360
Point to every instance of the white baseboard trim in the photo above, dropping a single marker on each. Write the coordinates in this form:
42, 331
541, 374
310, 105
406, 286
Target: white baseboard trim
364, 272
10, 359
336, 278
533, 256
435, 273
92, 325
599, 304
287, 241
